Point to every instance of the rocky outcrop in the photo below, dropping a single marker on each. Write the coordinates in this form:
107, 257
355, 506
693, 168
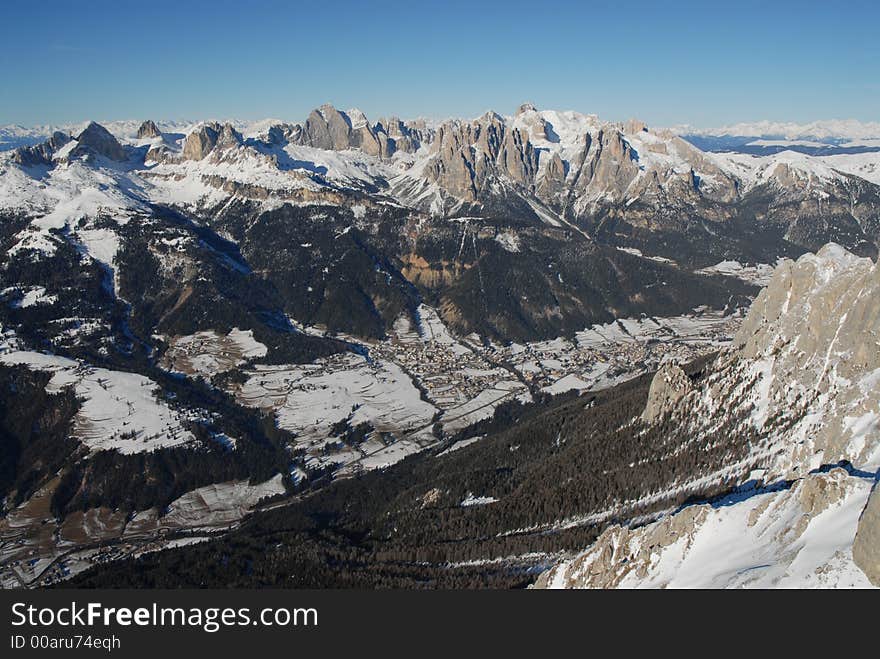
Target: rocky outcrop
328, 128
669, 386
635, 126
228, 137
158, 153
201, 141
466, 157
97, 139
40, 154
606, 165
582, 169
866, 548
805, 359
620, 552
813, 333
395, 135
550, 184
148, 130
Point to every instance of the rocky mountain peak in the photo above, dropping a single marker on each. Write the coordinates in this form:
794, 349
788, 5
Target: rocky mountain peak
356, 118
398, 135
98, 139
148, 129
201, 141
229, 136
328, 128
40, 154
491, 117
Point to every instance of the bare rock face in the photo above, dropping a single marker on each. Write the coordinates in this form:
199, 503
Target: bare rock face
814, 332
608, 165
98, 139
395, 135
578, 165
201, 141
805, 359
467, 156
635, 126
40, 154
556, 168
206, 137
148, 129
670, 385
331, 129
228, 137
621, 553
328, 128
552, 183
866, 548
159, 153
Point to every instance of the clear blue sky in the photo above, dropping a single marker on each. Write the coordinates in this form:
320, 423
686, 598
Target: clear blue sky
702, 63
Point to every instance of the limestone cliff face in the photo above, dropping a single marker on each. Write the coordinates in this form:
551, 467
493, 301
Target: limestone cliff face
573, 164
329, 128
551, 181
814, 334
93, 140
605, 164
802, 382
466, 157
804, 368
40, 154
568, 168
201, 141
866, 548
148, 129
397, 135
97, 139
669, 386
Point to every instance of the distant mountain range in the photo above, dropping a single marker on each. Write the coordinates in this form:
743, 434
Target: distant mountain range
834, 135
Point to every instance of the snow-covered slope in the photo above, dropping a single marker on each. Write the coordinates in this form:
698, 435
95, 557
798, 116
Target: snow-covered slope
797, 537
119, 411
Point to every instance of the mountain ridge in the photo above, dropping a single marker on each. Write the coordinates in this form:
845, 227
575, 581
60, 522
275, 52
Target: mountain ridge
808, 384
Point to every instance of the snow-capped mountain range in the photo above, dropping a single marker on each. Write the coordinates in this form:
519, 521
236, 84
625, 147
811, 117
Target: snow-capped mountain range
836, 130
559, 167
820, 138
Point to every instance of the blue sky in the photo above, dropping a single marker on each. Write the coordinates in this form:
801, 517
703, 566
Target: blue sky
705, 63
